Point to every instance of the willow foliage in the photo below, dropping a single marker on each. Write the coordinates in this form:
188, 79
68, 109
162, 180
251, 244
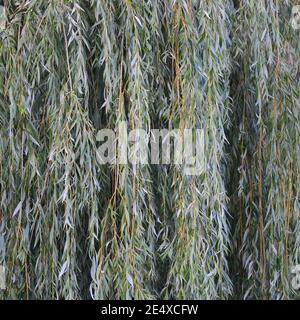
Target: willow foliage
72, 228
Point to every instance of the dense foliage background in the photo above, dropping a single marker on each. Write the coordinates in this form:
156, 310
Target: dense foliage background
71, 228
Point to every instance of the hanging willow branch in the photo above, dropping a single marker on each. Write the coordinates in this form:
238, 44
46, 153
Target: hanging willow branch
199, 246
268, 199
72, 227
